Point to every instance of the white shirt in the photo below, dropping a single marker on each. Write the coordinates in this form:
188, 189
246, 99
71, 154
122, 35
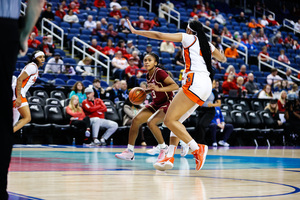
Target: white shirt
263, 95
195, 61
271, 79
53, 66
114, 4
264, 22
69, 18
297, 27
164, 47
86, 67
122, 63
90, 25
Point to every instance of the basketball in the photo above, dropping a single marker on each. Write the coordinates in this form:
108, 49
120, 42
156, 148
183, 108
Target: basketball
137, 95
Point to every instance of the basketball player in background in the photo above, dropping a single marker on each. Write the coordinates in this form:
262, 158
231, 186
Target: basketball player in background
161, 86
11, 41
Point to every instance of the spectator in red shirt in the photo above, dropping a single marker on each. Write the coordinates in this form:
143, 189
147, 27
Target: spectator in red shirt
132, 72
100, 4
96, 46
283, 58
64, 5
60, 12
35, 30
115, 13
45, 47
110, 32
143, 24
95, 109
32, 42
109, 49
226, 32
155, 22
243, 73
276, 39
76, 3
272, 21
99, 31
264, 52
245, 38
121, 47
229, 85
282, 101
74, 8
136, 59
194, 12
288, 41
230, 71
242, 91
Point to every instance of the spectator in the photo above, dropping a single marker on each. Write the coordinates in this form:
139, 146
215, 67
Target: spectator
84, 67
50, 41
259, 23
136, 59
60, 12
231, 52
45, 47
229, 85
130, 47
32, 42
194, 12
283, 58
75, 3
73, 6
69, 70
263, 55
54, 65
216, 64
250, 85
272, 108
148, 99
219, 17
276, 39
264, 21
78, 90
99, 4
168, 5
272, 21
167, 46
251, 45
48, 14
179, 59
253, 24
292, 116
104, 23
124, 90
100, 31
70, 17
226, 32
84, 5
119, 7
203, 13
78, 118
288, 41
217, 87
261, 37
282, 101
243, 73
111, 33
148, 50
122, 28
283, 85
242, 91
296, 46
35, 30
143, 24
219, 45
155, 22
297, 26
241, 18
99, 92
115, 13
230, 71
64, 5
216, 32
219, 123
119, 64
132, 72
96, 46
109, 49
95, 109
121, 47
89, 23
114, 93
253, 35
273, 78
266, 93
244, 38
294, 89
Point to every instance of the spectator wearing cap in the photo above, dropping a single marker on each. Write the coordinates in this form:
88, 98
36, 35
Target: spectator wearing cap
272, 108
95, 109
84, 67
167, 46
273, 79
48, 14
231, 52
130, 47
32, 42
115, 13
89, 23
99, 4
70, 17
54, 65
50, 41
219, 17
119, 64
132, 72
143, 24
45, 47
68, 70
122, 28
99, 92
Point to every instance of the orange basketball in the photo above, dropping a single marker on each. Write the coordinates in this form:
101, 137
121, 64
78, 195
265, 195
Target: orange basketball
137, 95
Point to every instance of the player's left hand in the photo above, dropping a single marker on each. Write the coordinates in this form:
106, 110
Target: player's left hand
152, 86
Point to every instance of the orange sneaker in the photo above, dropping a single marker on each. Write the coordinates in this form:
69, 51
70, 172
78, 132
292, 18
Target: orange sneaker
164, 164
200, 155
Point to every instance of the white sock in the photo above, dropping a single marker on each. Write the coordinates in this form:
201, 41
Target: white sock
162, 146
171, 151
102, 140
130, 147
193, 145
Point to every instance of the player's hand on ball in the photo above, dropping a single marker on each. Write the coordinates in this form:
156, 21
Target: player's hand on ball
152, 86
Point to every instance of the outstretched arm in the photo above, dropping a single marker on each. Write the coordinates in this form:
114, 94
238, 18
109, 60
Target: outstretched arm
173, 37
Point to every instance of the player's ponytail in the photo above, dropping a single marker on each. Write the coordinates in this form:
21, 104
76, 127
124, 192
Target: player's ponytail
197, 28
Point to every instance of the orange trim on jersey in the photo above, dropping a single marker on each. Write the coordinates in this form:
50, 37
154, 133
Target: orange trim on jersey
191, 44
187, 60
190, 94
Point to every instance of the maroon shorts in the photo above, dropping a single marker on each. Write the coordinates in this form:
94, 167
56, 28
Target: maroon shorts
154, 107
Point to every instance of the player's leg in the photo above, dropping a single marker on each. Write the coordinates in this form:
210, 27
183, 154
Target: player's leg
26, 118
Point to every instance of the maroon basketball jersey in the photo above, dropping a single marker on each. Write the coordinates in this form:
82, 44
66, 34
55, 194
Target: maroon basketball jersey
158, 78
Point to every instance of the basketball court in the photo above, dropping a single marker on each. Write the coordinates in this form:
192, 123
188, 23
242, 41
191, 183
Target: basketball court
67, 172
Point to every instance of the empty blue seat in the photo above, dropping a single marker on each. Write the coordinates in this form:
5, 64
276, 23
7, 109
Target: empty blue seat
103, 84
76, 25
90, 78
86, 83
254, 67
77, 77
48, 76
165, 55
166, 61
63, 77
59, 81
70, 61
65, 24
71, 82
84, 37
61, 52
74, 31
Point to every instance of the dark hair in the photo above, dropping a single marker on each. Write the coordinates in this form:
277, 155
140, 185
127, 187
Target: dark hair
32, 59
74, 88
197, 27
120, 42
156, 57
96, 80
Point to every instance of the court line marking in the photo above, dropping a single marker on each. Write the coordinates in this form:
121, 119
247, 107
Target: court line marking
15, 196
296, 189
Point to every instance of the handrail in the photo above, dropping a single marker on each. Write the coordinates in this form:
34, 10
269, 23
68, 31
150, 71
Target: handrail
160, 11
149, 3
23, 8
61, 38
210, 31
93, 57
273, 61
239, 43
287, 26
264, 12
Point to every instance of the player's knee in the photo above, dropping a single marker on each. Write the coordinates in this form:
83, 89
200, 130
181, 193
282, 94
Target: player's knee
150, 123
167, 121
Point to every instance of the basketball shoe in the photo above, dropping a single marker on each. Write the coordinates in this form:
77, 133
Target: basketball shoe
184, 148
200, 156
164, 164
162, 153
155, 150
126, 155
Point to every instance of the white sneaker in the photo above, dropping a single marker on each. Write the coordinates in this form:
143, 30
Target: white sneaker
214, 144
97, 142
184, 148
225, 144
155, 150
126, 155
162, 153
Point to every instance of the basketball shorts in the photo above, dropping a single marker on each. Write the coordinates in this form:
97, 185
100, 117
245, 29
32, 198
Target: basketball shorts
154, 107
197, 86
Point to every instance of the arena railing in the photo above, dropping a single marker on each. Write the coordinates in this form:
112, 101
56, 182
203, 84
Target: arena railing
83, 50
169, 15
271, 64
264, 11
149, 3
245, 54
23, 8
290, 25
210, 32
52, 32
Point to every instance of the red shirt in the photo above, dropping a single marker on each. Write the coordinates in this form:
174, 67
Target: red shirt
109, 50
33, 43
115, 13
77, 4
132, 70
281, 107
94, 108
60, 14
122, 49
91, 51
146, 25
100, 3
228, 86
46, 49
244, 75
35, 30
79, 114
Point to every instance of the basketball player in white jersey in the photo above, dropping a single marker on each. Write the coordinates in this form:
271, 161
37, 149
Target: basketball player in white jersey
196, 84
20, 86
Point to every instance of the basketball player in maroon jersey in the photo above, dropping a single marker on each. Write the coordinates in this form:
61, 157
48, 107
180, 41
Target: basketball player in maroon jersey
161, 86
